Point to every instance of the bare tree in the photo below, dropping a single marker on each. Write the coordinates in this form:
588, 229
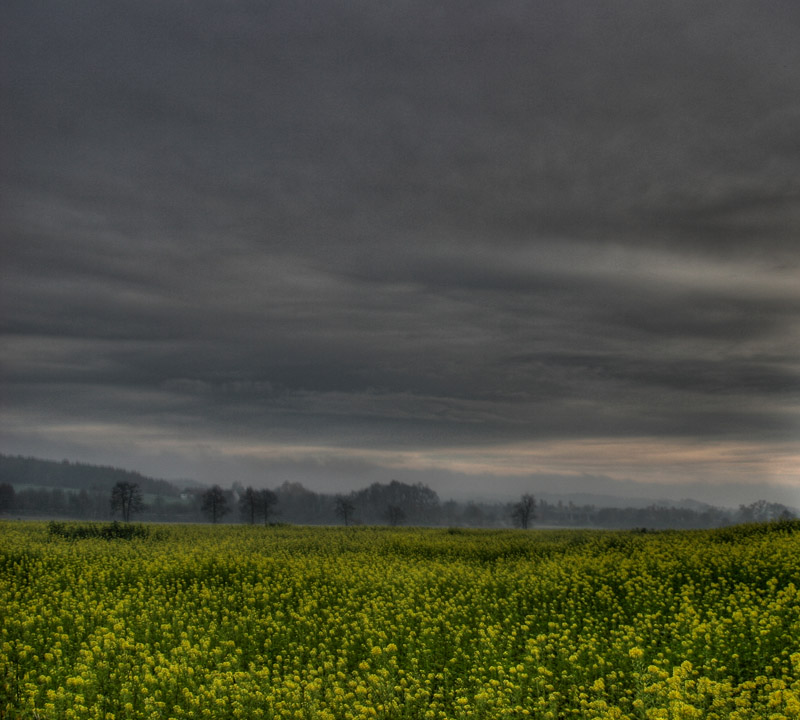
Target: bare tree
248, 505
257, 504
344, 509
523, 512
126, 499
214, 504
266, 501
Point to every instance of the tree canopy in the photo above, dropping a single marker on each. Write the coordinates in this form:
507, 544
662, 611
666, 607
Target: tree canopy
126, 499
214, 504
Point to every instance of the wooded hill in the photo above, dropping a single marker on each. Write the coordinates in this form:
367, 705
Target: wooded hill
65, 475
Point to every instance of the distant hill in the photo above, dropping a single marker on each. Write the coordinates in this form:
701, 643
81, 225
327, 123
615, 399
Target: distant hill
18, 470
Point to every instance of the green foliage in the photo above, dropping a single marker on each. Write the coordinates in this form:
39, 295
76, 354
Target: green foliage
739, 533
106, 531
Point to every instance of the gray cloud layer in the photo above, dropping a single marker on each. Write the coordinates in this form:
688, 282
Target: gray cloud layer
400, 226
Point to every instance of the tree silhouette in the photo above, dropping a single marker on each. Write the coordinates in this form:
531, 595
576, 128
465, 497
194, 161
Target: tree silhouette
418, 502
126, 499
214, 504
266, 501
7, 496
523, 511
344, 509
248, 505
257, 504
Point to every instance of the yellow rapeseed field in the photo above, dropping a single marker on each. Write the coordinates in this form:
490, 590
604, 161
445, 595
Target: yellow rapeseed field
337, 623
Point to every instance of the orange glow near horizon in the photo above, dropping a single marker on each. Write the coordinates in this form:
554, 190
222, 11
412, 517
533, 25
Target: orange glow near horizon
642, 460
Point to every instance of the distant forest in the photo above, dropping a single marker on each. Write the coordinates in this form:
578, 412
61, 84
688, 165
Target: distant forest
31, 488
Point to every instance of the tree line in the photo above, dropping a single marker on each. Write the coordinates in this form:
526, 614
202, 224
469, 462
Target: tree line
394, 503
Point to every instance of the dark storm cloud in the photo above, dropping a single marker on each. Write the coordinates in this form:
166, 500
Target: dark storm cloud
402, 226
555, 119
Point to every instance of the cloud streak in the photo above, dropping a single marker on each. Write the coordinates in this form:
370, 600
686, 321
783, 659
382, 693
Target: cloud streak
396, 231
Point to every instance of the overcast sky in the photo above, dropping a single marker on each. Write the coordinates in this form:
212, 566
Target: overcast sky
491, 246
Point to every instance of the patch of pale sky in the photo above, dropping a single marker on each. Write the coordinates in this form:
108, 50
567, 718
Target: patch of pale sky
758, 278
650, 460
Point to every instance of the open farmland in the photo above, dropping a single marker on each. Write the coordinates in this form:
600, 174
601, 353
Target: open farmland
299, 622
